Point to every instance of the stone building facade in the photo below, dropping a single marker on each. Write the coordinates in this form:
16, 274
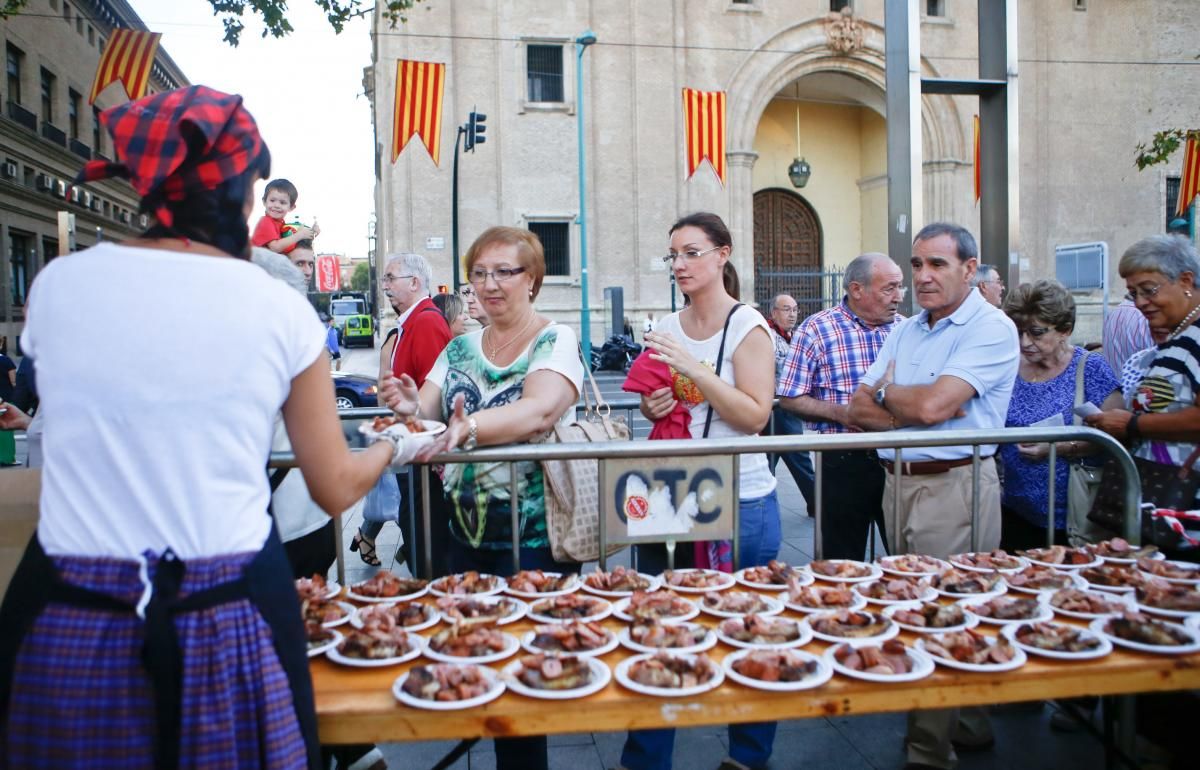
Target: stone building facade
803, 78
48, 130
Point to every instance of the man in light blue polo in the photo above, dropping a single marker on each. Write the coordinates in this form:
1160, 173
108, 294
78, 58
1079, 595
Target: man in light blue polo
951, 366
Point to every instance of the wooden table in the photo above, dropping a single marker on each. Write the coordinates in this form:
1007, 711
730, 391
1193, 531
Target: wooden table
357, 706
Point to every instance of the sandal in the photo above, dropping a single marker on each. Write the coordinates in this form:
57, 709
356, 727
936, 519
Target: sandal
366, 548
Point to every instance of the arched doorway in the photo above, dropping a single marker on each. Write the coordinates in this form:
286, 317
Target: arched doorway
787, 249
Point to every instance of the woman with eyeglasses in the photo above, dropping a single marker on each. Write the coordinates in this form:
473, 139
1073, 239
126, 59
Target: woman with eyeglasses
508, 383
715, 327
1044, 314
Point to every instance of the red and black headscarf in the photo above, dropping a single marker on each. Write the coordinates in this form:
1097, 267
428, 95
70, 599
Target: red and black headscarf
180, 145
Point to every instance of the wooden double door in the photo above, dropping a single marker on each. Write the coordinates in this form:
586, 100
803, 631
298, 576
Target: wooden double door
787, 250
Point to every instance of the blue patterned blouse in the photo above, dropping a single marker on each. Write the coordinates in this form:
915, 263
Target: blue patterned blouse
1026, 482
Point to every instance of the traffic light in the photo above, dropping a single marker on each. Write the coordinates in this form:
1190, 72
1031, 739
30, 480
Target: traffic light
475, 130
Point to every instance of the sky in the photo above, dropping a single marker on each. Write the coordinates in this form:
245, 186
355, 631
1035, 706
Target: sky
305, 92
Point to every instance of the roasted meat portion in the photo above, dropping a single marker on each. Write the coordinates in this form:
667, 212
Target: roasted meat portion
385, 584
1055, 637
667, 635
741, 602
893, 589
446, 682
569, 607
997, 559
957, 581
775, 573
553, 672
1139, 627
695, 579
1120, 548
671, 672
656, 605
535, 581
931, 615
1008, 608
850, 624
1088, 602
756, 629
775, 666
1038, 578
839, 568
820, 597
462, 641
889, 659
970, 647
470, 582
1059, 554
619, 580
572, 636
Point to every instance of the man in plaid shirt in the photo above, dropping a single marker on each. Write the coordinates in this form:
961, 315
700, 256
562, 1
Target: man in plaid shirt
830, 353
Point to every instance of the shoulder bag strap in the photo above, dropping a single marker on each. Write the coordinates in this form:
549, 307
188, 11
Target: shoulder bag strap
1076, 419
720, 358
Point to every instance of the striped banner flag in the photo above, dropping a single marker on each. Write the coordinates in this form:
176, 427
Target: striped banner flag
704, 122
1189, 180
419, 87
128, 57
978, 178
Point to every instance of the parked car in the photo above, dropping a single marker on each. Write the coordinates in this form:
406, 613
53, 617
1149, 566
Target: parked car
351, 390
358, 330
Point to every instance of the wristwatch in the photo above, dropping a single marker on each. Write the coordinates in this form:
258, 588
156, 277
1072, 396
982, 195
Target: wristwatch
472, 430
881, 394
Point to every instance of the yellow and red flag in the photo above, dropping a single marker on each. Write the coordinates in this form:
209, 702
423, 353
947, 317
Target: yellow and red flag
978, 178
419, 87
704, 123
128, 57
1189, 180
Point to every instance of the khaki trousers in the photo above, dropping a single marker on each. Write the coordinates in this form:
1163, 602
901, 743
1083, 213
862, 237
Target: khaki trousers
934, 518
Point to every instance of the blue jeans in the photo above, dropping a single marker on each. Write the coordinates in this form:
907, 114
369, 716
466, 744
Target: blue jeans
759, 536
799, 463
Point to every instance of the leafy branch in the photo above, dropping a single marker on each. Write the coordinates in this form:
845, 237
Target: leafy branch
1162, 146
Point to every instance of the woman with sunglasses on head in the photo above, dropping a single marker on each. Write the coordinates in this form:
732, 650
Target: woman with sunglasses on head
723, 369
153, 621
508, 383
1044, 314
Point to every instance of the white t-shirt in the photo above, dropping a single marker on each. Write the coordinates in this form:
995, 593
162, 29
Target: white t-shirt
160, 375
755, 479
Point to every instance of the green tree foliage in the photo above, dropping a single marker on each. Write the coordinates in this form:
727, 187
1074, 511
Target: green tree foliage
274, 13
1162, 146
360, 279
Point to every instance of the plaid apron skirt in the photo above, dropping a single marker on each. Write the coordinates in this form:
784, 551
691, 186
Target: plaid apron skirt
82, 681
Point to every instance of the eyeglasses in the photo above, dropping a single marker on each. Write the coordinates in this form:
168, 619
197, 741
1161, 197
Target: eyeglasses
386, 278
691, 256
1142, 291
466, 291
1035, 332
894, 288
479, 276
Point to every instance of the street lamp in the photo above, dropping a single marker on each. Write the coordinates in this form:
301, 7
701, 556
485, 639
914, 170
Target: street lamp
799, 171
585, 334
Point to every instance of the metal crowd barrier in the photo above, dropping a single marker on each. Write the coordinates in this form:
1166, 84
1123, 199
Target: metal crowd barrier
816, 443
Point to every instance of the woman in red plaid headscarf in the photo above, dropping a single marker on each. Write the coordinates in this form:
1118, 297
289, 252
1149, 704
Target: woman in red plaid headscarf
152, 621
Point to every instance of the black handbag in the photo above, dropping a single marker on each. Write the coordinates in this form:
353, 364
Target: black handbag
1166, 486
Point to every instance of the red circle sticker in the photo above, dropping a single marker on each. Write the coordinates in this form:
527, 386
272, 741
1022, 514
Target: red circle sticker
637, 507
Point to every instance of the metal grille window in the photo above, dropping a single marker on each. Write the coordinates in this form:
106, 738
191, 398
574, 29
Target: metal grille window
96, 130
73, 102
47, 95
544, 72
935, 8
12, 62
19, 246
1172, 202
556, 244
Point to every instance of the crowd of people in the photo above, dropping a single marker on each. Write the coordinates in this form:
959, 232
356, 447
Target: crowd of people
157, 549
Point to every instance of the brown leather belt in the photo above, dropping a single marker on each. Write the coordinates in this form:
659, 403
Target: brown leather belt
927, 467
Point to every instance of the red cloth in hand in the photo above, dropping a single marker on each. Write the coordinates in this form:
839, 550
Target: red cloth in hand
646, 376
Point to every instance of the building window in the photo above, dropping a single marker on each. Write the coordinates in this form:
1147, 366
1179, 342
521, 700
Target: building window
837, 5
19, 246
73, 102
91, 35
27, 177
47, 95
1172, 202
12, 61
935, 7
96, 130
49, 249
544, 72
54, 5
67, 13
79, 24
556, 244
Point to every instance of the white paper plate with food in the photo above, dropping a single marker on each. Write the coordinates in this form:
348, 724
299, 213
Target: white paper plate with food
696, 581
411, 426
955, 583
411, 616
468, 584
1120, 551
1139, 632
912, 565
1046, 580
851, 625
447, 687
677, 638
536, 584
844, 570
472, 645
550, 677
562, 609
735, 604
341, 653
388, 587
1088, 605
671, 675
1007, 610
757, 632
931, 617
583, 640
1168, 600
895, 590
818, 598
481, 609
348, 612
1058, 640
774, 576
1113, 578
989, 561
1061, 557
619, 582
325, 589
321, 642
659, 605
871, 661
777, 670
1176, 572
978, 653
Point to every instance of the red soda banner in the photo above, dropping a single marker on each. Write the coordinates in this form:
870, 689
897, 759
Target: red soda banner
329, 274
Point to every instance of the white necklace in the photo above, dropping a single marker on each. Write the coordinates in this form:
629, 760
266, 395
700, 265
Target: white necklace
1187, 319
